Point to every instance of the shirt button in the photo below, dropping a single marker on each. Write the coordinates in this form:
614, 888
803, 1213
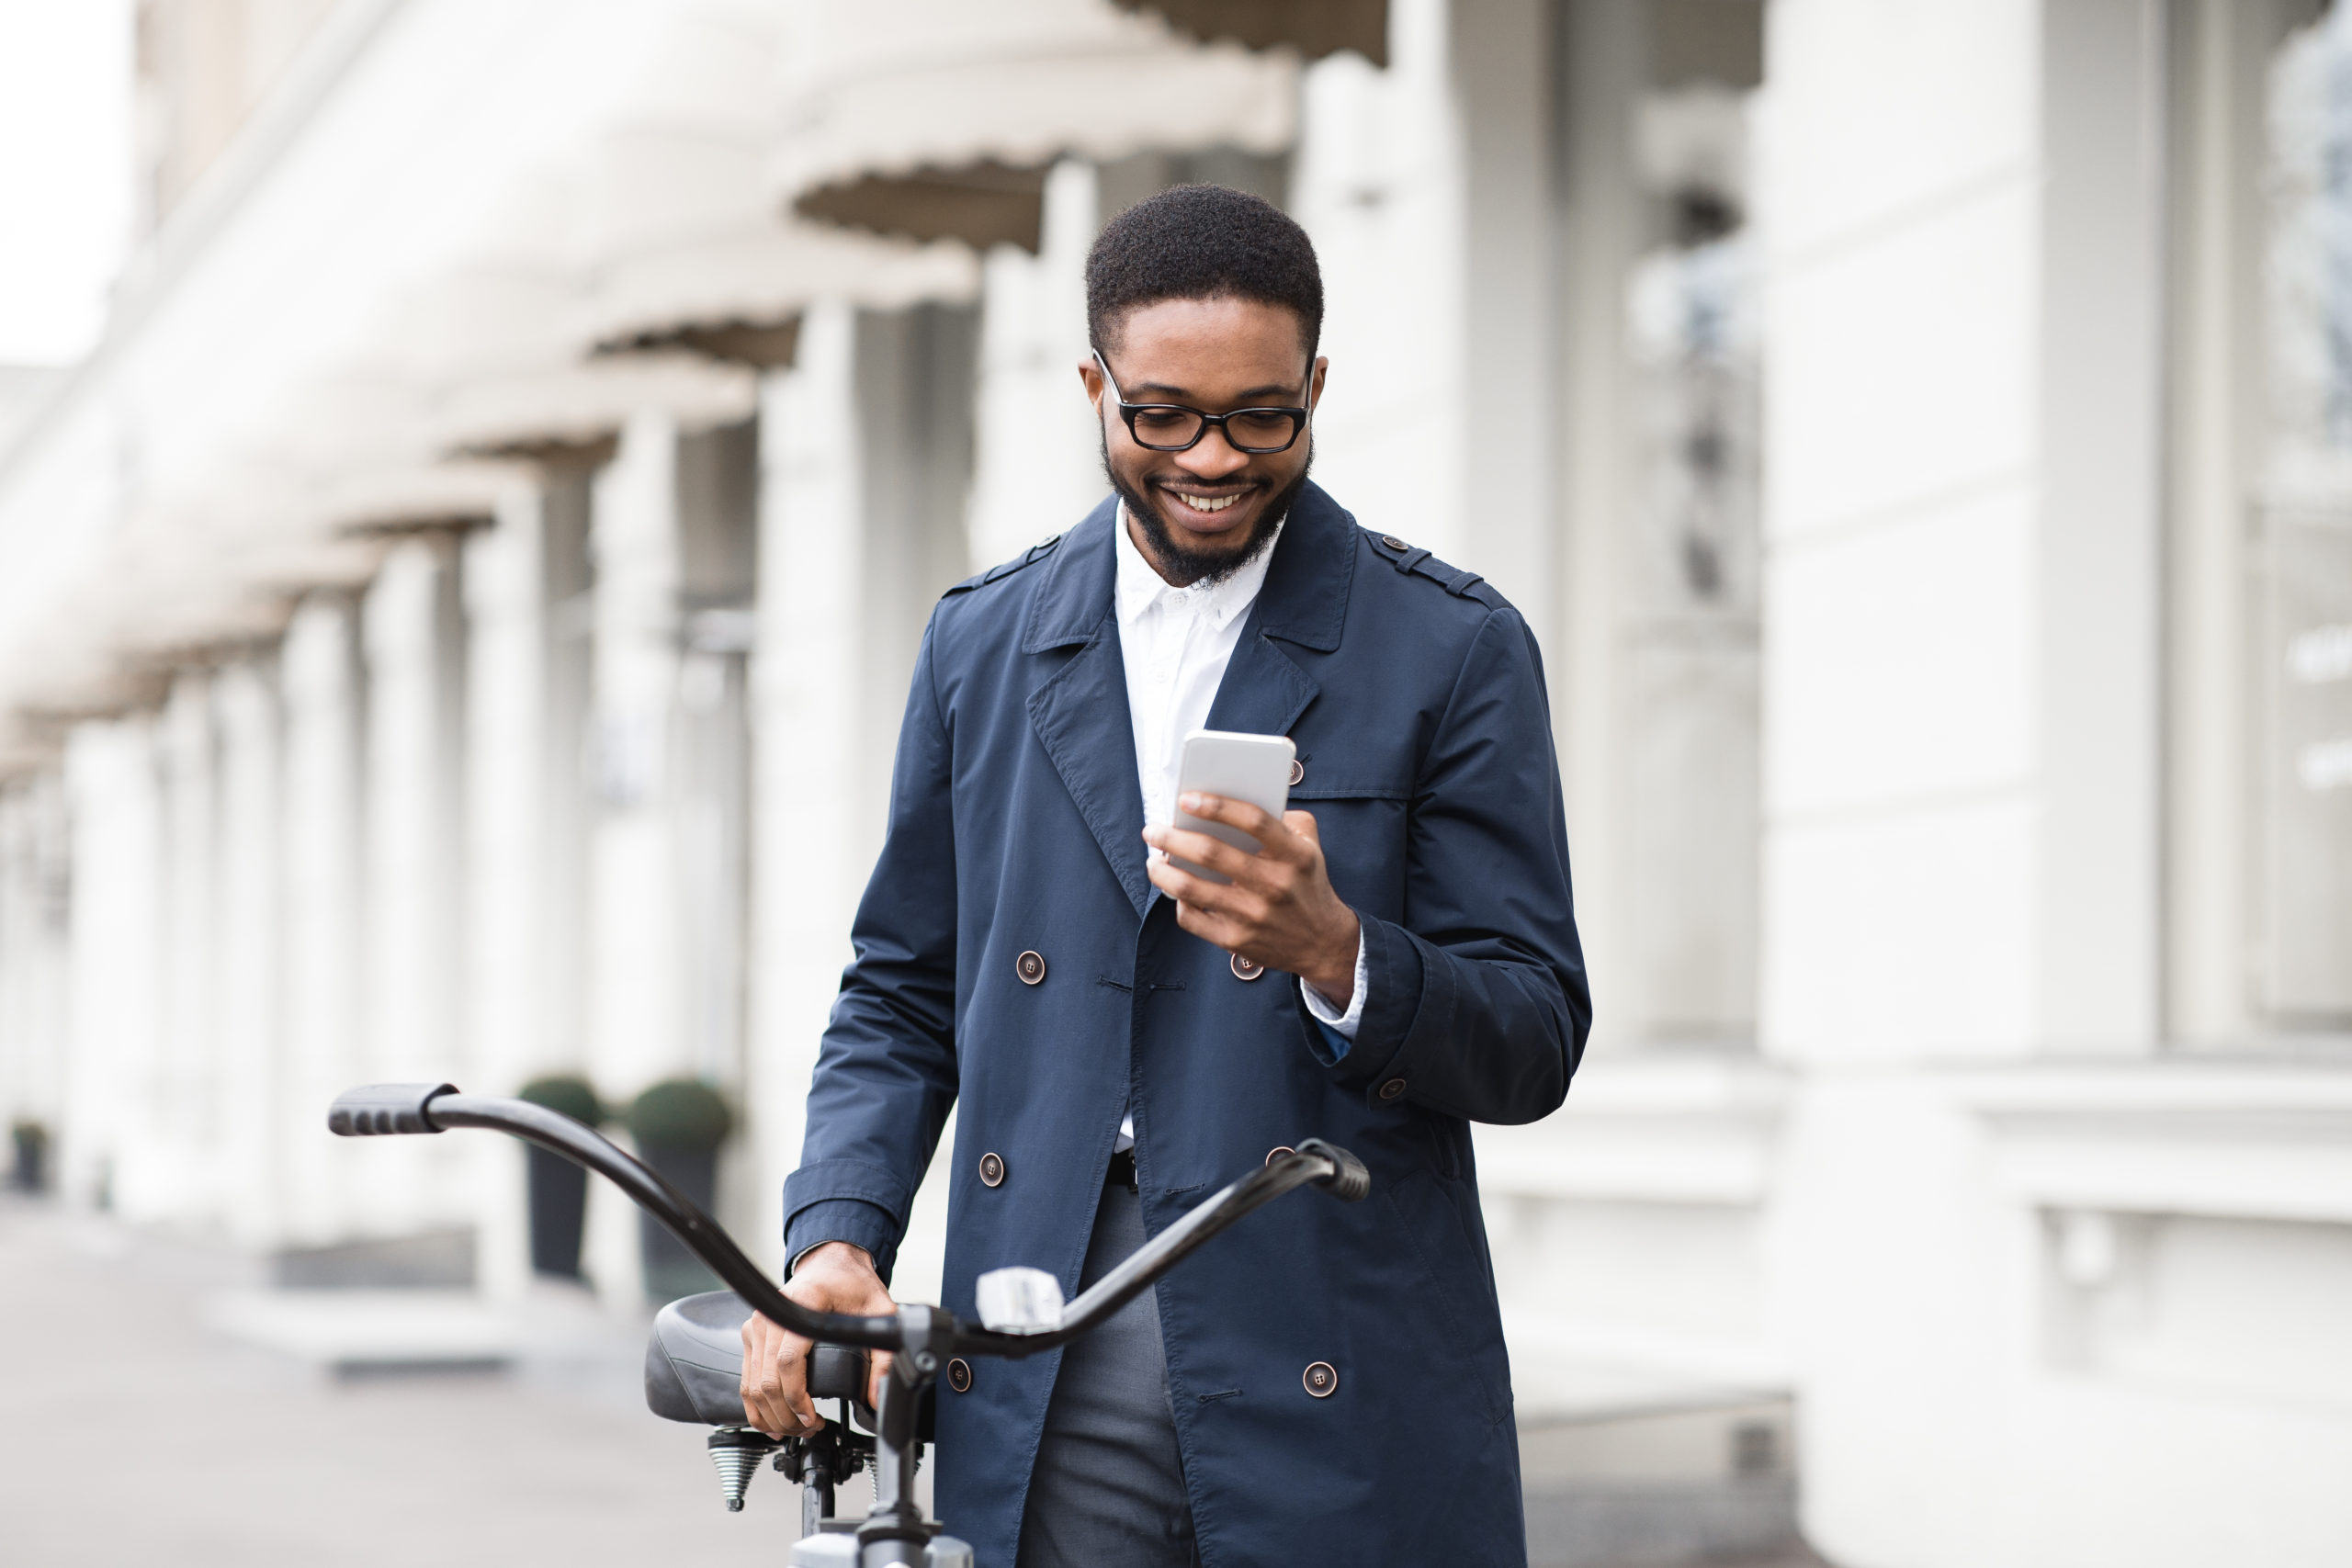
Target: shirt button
959, 1375
1392, 541
1030, 967
1244, 969
992, 1169
1298, 772
1392, 1089
1322, 1379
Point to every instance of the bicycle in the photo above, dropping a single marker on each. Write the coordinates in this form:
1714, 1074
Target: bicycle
694, 1361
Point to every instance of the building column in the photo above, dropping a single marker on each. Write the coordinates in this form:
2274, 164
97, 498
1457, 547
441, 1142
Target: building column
1039, 464
320, 686
412, 634
110, 1154
719, 576
1379, 185
635, 1028
865, 453
34, 889
260, 1120
526, 578
188, 1122
1961, 747
809, 698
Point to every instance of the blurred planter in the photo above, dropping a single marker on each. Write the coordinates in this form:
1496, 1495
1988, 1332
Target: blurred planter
678, 1125
30, 1172
558, 1189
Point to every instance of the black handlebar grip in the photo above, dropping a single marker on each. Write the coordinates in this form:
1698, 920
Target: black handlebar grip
376, 1108
1350, 1182
838, 1372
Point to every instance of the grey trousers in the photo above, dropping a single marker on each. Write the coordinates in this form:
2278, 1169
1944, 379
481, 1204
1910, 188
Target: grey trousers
1109, 1486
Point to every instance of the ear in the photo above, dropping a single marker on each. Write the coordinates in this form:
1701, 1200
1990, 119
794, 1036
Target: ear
1315, 384
1089, 375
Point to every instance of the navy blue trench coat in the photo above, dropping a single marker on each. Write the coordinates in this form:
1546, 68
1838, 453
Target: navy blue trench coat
1415, 699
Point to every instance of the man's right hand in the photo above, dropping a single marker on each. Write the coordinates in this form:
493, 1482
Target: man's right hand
834, 1277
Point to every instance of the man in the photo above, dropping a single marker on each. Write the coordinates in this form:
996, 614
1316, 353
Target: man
1326, 1383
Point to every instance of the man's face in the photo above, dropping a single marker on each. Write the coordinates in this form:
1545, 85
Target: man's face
1205, 511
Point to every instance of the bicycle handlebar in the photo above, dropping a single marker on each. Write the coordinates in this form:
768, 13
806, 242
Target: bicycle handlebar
378, 1109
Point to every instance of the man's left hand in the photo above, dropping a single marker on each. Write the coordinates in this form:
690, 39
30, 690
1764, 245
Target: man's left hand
1279, 910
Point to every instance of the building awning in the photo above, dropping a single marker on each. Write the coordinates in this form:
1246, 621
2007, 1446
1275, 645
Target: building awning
692, 255
499, 342
355, 296
686, 246
1313, 27
938, 118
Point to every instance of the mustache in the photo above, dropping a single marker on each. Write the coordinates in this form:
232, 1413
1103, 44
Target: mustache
1183, 478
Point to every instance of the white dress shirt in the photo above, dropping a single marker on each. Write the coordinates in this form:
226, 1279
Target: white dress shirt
1176, 643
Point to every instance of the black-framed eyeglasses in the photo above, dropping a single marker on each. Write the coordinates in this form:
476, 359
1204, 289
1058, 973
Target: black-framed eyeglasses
1172, 427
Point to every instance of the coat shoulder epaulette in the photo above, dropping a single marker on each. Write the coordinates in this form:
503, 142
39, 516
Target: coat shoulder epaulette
1415, 561
1033, 554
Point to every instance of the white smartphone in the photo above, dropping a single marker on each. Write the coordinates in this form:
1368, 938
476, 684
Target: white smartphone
1255, 768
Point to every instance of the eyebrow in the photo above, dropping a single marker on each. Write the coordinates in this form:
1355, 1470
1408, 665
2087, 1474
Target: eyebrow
1176, 394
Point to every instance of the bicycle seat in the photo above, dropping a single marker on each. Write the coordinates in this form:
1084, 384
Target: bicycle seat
693, 1362
694, 1359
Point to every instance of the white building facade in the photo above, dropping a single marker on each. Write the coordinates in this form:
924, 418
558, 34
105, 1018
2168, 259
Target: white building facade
456, 625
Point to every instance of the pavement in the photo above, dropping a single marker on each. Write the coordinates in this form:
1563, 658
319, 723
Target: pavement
132, 1433
158, 1404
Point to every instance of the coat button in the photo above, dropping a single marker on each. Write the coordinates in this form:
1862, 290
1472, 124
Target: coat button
959, 1375
1030, 967
1297, 773
1392, 541
1278, 1151
1322, 1379
992, 1169
1246, 969
1392, 1089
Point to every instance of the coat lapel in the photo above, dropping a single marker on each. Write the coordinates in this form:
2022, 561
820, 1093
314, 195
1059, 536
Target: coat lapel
1079, 712
1305, 601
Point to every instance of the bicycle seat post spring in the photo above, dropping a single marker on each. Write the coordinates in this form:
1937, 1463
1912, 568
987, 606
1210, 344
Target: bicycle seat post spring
736, 1451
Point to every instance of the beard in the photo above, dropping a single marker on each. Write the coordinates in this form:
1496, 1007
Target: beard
1185, 565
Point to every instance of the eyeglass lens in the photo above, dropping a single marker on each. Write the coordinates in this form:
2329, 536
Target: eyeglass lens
1250, 430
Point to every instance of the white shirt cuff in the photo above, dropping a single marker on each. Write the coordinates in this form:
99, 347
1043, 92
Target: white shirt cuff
1343, 1024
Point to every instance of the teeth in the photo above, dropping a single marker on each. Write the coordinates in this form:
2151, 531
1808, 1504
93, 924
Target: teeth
1207, 503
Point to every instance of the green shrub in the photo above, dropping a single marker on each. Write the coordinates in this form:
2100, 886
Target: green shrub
30, 1139
567, 1094
680, 1113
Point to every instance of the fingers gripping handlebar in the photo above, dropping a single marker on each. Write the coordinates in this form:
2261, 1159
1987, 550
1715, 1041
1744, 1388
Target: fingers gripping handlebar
928, 1332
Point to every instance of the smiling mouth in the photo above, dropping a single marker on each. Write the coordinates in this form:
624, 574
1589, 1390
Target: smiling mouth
1205, 506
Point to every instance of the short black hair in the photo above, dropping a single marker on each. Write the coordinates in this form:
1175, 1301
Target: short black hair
1201, 242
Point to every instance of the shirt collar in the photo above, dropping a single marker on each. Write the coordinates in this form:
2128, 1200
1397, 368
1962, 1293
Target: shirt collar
1139, 587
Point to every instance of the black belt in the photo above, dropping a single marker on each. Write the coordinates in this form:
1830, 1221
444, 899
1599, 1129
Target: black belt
1122, 1171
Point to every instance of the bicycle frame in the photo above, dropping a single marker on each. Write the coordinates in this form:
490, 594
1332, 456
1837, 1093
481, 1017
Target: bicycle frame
921, 1338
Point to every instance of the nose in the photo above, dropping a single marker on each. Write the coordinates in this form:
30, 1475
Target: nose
1215, 460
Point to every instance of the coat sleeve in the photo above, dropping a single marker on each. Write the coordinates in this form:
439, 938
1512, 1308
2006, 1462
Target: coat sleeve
1476, 1001
886, 1072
